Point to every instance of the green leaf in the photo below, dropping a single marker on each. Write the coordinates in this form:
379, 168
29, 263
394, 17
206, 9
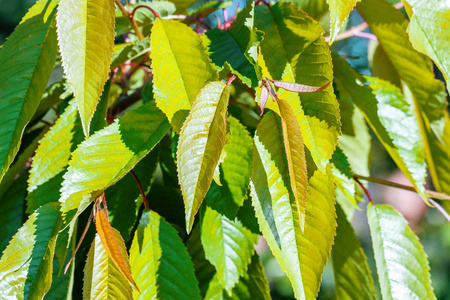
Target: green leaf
314, 8
301, 256
86, 59
129, 51
52, 96
202, 8
200, 145
181, 67
228, 245
160, 262
114, 150
295, 156
99, 119
305, 61
391, 117
26, 264
402, 264
26, 62
12, 204
339, 12
343, 175
252, 285
352, 276
182, 5
428, 31
102, 278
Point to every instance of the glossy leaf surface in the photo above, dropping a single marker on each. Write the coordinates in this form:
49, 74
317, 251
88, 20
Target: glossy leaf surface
339, 12
87, 58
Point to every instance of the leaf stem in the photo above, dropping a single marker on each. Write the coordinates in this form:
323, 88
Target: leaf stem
133, 22
79, 242
366, 191
440, 209
144, 199
155, 13
428, 193
230, 80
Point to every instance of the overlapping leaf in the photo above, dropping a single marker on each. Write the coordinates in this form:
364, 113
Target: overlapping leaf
129, 51
200, 145
228, 245
160, 263
383, 109
314, 8
339, 12
343, 175
302, 256
26, 62
114, 246
305, 61
26, 264
109, 154
87, 58
351, 273
102, 278
402, 264
429, 31
181, 67
252, 285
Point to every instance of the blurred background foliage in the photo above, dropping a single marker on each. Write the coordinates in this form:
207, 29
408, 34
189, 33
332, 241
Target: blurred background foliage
432, 228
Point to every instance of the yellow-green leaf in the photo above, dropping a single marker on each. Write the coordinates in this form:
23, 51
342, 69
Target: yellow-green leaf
26, 62
26, 264
200, 145
294, 50
339, 12
402, 263
181, 67
301, 256
295, 154
114, 246
86, 59
429, 31
160, 262
102, 279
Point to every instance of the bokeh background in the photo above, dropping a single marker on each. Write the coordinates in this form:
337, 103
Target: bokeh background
432, 228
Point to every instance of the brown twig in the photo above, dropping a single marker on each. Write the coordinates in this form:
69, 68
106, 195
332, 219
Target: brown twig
79, 242
129, 16
144, 199
366, 191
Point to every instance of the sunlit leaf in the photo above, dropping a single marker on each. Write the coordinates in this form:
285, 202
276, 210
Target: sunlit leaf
160, 262
339, 12
306, 61
86, 58
26, 62
114, 150
102, 278
390, 116
429, 32
402, 264
301, 256
200, 145
314, 8
352, 276
26, 264
129, 51
181, 67
114, 246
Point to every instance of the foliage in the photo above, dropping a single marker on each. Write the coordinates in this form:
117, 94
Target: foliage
184, 143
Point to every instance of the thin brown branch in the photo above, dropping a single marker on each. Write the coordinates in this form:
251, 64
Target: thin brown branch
366, 191
79, 242
428, 193
144, 199
130, 17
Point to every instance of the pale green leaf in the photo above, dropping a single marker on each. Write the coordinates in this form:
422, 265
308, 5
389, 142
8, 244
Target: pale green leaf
181, 67
200, 145
102, 278
252, 285
26, 264
228, 245
114, 150
429, 31
129, 51
301, 256
86, 59
390, 116
26, 62
295, 156
160, 262
352, 276
343, 175
339, 12
294, 50
402, 264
